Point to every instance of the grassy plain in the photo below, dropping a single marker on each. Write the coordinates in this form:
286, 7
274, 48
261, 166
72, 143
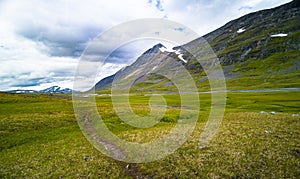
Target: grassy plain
39, 137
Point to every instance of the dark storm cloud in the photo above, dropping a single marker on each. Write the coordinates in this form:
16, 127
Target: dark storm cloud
28, 82
31, 82
60, 42
101, 51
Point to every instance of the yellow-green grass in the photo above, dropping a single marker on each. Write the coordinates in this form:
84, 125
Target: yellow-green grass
39, 137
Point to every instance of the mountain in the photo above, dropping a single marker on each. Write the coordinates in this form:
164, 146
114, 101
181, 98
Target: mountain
258, 50
53, 89
152, 60
56, 89
147, 58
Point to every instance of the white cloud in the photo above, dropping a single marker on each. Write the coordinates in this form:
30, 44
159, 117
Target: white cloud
22, 63
41, 41
205, 16
37, 37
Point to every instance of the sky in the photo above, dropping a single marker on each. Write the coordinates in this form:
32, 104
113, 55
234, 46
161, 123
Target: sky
41, 41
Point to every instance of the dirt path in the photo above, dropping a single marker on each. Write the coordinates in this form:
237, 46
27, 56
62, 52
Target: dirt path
130, 169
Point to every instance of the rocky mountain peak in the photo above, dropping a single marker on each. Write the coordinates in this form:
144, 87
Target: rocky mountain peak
154, 49
56, 89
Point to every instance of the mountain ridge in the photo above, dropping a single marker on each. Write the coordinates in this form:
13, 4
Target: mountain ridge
259, 48
52, 89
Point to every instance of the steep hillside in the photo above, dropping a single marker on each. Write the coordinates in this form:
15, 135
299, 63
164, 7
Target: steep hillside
154, 67
258, 50
262, 47
144, 64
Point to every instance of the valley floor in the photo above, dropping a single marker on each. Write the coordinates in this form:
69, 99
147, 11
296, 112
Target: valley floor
40, 137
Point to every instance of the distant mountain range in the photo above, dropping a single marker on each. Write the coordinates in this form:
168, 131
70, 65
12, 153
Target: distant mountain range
53, 89
258, 50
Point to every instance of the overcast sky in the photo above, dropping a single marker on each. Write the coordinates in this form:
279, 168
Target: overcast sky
41, 41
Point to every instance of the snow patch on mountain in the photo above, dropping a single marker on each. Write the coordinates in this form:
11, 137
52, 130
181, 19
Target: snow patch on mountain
52, 89
164, 49
177, 52
241, 30
56, 89
279, 35
180, 56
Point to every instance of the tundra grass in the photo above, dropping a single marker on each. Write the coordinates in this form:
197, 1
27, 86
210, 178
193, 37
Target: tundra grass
39, 137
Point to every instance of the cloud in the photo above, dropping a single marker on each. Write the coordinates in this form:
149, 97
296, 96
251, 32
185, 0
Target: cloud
22, 64
64, 27
157, 4
45, 39
206, 16
179, 29
42, 41
125, 53
245, 8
